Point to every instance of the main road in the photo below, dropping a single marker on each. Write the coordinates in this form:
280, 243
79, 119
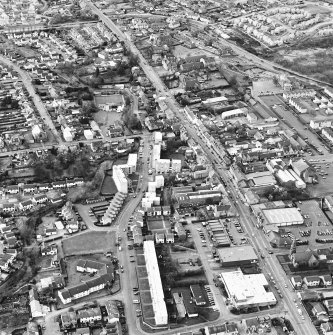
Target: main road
304, 327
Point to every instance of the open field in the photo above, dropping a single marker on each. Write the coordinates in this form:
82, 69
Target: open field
312, 57
89, 243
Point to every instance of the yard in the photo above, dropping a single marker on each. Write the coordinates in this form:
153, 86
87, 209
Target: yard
12, 321
89, 243
105, 119
75, 277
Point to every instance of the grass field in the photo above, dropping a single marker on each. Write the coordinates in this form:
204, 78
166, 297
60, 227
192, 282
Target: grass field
89, 243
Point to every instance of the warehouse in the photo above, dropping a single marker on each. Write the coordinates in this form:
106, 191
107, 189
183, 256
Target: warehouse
155, 284
237, 256
246, 291
218, 234
281, 217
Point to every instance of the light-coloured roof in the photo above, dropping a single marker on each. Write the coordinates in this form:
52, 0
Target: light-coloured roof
283, 216
247, 289
155, 284
239, 253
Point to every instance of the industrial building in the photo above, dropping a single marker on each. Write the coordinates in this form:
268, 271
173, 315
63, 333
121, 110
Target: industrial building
246, 291
280, 217
217, 233
155, 284
237, 256
261, 179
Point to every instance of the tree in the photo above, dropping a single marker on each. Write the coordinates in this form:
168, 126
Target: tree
41, 173
89, 108
133, 60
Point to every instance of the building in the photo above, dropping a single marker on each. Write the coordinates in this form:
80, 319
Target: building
328, 133
112, 311
155, 284
198, 295
280, 217
246, 291
327, 328
89, 266
296, 282
329, 202
89, 315
156, 154
110, 102
120, 179
237, 256
306, 258
83, 289
329, 306
176, 165
311, 281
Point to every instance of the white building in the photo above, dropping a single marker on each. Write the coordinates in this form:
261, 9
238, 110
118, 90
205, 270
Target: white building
156, 154
67, 134
157, 137
176, 165
155, 284
132, 161
162, 165
159, 180
247, 290
120, 179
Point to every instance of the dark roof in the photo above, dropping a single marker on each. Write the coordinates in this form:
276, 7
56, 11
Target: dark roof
78, 289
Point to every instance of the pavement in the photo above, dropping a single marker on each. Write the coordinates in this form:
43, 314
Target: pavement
304, 327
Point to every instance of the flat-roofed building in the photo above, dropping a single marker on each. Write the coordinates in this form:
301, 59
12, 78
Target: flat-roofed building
120, 179
237, 256
155, 284
247, 290
281, 217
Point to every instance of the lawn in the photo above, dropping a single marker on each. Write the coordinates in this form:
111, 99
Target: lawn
148, 311
12, 320
145, 298
140, 260
142, 272
89, 243
144, 285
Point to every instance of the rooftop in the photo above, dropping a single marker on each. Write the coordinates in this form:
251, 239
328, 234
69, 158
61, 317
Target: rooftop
239, 253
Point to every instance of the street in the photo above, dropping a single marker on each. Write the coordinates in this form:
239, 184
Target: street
26, 80
304, 327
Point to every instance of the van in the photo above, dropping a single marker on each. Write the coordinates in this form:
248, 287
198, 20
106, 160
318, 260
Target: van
136, 301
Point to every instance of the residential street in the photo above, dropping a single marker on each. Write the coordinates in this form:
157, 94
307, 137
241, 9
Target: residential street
26, 80
304, 327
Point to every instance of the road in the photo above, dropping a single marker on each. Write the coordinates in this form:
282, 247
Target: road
26, 80
289, 120
69, 144
302, 327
